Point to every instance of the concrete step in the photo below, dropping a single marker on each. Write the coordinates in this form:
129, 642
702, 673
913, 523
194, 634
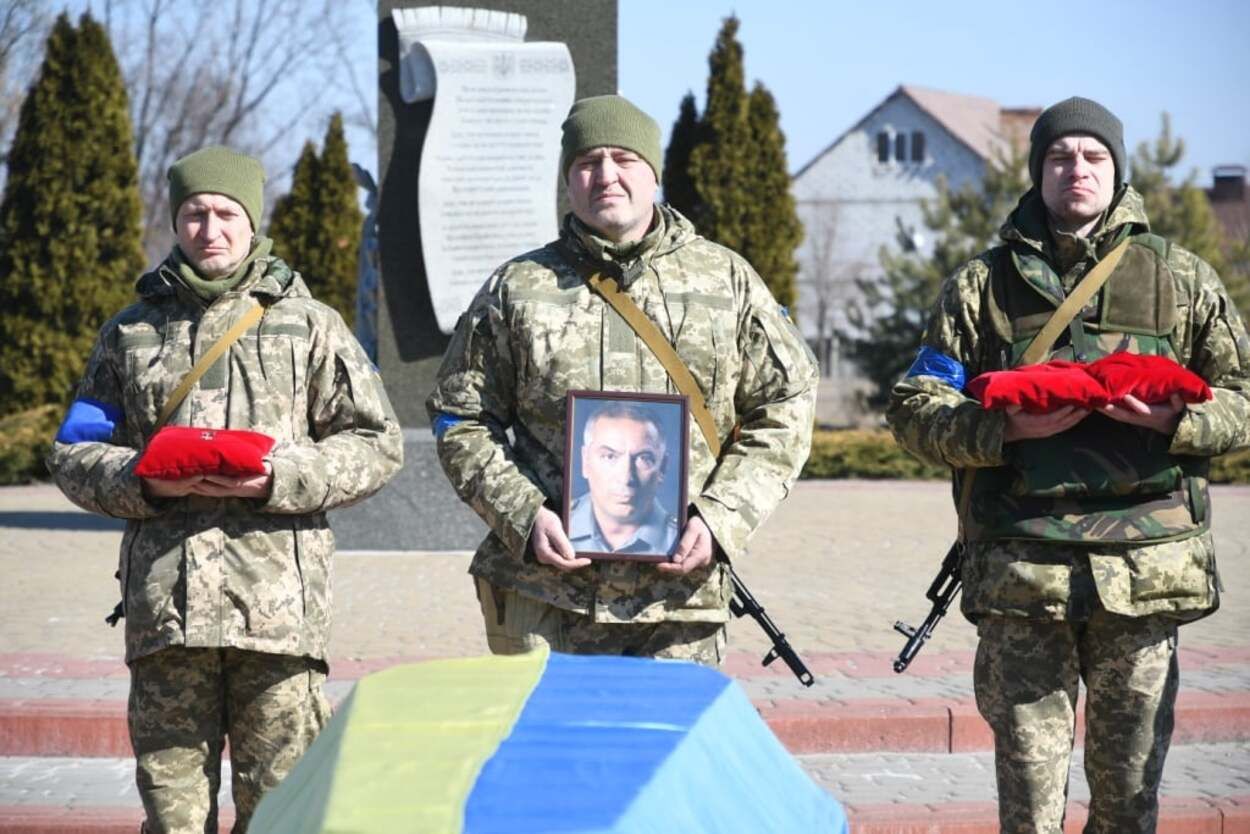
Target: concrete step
53, 706
1206, 788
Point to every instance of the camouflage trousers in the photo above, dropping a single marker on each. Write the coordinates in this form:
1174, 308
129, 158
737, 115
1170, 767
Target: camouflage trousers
516, 623
1026, 678
185, 703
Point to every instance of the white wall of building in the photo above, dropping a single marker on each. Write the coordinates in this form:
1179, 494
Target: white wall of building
849, 201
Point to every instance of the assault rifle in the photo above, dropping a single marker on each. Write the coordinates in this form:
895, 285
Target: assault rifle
743, 604
941, 593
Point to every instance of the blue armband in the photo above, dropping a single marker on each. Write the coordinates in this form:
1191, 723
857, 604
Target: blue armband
89, 421
939, 366
443, 422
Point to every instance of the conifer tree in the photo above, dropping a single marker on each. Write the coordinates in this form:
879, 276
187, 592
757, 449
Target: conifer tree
69, 218
1181, 213
890, 317
679, 191
772, 229
720, 164
332, 278
316, 227
295, 213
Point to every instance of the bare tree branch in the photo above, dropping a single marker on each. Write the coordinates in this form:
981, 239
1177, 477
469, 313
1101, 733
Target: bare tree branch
247, 74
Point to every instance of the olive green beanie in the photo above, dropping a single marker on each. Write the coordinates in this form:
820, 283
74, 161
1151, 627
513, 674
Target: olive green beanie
218, 170
1076, 116
609, 121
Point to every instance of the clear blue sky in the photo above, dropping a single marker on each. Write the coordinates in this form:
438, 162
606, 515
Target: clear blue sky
829, 63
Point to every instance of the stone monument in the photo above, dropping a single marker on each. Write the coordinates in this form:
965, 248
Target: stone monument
467, 99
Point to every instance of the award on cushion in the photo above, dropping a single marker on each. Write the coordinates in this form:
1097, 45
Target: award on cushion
177, 452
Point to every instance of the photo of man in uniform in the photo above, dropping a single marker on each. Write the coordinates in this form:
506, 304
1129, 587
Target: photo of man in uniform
623, 457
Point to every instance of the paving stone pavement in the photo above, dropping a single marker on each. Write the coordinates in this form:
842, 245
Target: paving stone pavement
1212, 771
837, 564
1217, 678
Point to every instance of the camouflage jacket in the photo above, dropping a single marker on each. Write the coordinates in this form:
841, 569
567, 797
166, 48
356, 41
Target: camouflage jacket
934, 419
535, 331
250, 574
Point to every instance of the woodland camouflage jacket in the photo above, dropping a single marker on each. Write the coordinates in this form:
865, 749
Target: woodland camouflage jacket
250, 574
934, 419
536, 331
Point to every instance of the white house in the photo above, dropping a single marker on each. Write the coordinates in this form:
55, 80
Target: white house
857, 194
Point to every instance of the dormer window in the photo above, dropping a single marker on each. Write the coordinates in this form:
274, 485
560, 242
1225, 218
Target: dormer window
917, 146
883, 147
900, 147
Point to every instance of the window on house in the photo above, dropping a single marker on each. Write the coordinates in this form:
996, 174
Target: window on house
917, 146
883, 147
900, 147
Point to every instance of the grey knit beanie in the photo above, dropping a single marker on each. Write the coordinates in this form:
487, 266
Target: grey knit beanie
609, 121
218, 170
1071, 116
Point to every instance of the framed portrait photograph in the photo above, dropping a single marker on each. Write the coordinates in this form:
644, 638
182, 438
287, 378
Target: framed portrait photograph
625, 464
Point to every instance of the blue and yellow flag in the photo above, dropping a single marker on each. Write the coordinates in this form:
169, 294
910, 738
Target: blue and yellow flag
547, 743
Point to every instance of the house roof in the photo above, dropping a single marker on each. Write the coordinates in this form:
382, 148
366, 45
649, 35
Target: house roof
980, 123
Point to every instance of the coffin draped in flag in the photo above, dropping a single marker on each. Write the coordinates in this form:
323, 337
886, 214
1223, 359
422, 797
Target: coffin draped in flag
547, 743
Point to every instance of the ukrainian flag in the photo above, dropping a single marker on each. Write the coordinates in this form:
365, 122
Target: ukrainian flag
547, 743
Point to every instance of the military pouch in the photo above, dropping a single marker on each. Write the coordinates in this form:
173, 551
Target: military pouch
1096, 458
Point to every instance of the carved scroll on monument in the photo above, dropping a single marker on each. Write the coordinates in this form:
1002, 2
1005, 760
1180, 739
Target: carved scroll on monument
489, 164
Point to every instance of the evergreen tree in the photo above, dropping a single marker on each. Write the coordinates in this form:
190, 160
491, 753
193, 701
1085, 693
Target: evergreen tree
891, 315
1236, 275
679, 191
295, 213
316, 227
1181, 213
332, 277
69, 218
720, 164
772, 228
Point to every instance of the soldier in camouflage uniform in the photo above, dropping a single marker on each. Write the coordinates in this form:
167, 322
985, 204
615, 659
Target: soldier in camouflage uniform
536, 330
225, 581
1087, 534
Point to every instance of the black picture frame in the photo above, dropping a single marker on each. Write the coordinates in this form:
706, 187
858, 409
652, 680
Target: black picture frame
595, 499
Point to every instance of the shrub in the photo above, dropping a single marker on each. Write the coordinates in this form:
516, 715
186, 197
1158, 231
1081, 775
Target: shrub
864, 453
873, 454
25, 439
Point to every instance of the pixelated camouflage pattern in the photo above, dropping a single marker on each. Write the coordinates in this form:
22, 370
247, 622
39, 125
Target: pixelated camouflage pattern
183, 705
516, 624
201, 571
536, 331
1026, 678
942, 425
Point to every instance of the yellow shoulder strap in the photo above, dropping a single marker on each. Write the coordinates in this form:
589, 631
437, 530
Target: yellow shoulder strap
654, 339
206, 361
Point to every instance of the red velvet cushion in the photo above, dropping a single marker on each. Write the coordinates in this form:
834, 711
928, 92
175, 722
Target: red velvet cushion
1151, 379
1038, 389
177, 452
